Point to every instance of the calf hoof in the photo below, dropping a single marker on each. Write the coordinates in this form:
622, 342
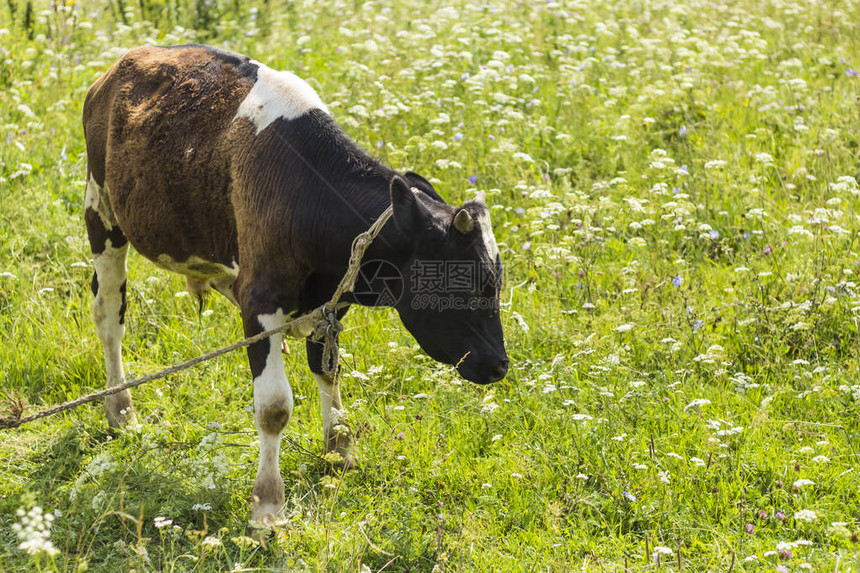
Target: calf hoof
341, 460
268, 500
339, 452
119, 410
265, 515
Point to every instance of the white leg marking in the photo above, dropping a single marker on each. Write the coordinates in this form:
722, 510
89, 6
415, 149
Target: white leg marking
329, 398
273, 406
110, 267
277, 94
336, 433
97, 200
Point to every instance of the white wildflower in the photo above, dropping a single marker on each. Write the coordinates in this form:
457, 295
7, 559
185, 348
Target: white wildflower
161, 522
764, 158
805, 515
211, 542
698, 402
660, 551
34, 531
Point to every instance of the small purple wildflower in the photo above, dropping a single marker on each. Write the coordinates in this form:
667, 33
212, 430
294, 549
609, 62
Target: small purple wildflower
768, 250
682, 131
527, 245
629, 496
458, 136
780, 516
697, 325
750, 528
714, 234
762, 515
519, 210
678, 281
473, 179
851, 73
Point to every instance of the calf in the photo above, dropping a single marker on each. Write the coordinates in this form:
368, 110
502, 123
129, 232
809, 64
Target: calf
217, 167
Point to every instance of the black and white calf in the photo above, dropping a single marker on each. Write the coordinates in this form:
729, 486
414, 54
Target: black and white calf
235, 175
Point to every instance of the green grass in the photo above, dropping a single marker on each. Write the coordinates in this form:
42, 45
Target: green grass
683, 333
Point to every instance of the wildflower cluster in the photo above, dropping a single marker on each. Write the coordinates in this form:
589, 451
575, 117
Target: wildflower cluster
34, 531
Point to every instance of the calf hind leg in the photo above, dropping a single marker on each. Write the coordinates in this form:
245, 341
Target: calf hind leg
110, 248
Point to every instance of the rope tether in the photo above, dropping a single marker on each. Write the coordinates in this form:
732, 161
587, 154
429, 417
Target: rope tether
321, 323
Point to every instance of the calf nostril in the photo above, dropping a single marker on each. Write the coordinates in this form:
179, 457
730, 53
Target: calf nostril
501, 369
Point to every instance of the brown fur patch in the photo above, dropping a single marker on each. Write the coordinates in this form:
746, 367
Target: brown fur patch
274, 418
156, 126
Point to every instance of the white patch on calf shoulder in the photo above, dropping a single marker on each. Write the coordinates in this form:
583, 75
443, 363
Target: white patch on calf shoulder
277, 94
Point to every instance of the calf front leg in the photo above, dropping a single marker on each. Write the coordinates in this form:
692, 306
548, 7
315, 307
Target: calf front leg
273, 406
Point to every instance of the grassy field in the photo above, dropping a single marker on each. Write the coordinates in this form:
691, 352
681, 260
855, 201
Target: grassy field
673, 186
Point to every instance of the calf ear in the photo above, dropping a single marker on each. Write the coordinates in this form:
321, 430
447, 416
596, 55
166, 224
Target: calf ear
410, 215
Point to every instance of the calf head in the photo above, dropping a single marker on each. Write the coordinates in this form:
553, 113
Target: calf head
452, 279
